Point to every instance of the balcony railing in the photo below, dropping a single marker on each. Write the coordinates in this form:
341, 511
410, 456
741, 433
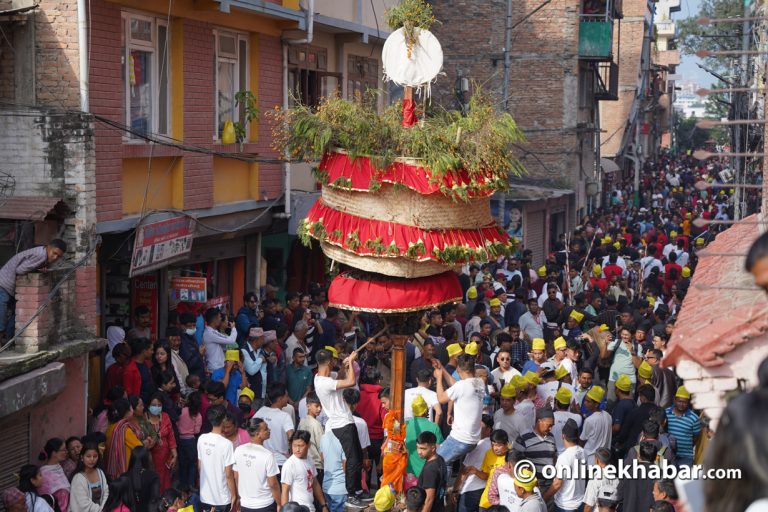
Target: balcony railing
596, 29
665, 28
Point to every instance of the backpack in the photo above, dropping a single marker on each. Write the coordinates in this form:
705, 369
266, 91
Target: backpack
659, 454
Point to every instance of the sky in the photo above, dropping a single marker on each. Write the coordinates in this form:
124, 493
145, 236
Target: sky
688, 68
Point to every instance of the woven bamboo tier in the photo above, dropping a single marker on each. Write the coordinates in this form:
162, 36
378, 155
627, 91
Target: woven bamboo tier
389, 266
404, 206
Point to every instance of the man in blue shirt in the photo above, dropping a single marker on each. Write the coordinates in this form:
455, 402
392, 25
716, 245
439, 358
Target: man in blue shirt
684, 425
328, 324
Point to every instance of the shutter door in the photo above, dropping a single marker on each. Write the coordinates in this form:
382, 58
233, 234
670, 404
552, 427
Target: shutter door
14, 449
534, 235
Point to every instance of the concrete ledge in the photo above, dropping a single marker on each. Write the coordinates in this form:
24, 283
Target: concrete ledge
13, 364
29, 389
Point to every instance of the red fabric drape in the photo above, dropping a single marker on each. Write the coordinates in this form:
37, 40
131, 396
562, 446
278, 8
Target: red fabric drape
339, 225
394, 296
409, 113
360, 172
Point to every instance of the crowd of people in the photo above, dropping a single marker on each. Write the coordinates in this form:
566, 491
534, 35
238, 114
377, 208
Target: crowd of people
275, 408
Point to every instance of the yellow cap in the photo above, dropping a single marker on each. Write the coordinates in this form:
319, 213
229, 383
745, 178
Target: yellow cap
603, 328
596, 394
644, 370
699, 241
730, 191
597, 270
673, 233
564, 395
576, 316
682, 393
232, 355
542, 271
332, 350
472, 292
453, 349
384, 499
188, 508
608, 239
531, 378
686, 272
419, 406
624, 383
519, 382
561, 372
526, 479
538, 344
495, 302
509, 390
617, 245
651, 301
247, 392
689, 215
560, 343
471, 349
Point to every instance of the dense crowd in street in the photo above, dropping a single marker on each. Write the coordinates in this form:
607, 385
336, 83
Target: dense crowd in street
273, 408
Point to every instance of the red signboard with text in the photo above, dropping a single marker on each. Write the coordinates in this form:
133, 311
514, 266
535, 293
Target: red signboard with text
159, 243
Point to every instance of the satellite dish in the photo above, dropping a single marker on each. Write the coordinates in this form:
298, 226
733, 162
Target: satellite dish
414, 67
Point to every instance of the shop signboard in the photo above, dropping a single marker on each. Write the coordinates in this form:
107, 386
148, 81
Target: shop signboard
144, 293
218, 302
159, 243
189, 289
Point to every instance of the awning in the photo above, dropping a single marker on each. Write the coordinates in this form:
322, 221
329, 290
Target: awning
32, 208
608, 165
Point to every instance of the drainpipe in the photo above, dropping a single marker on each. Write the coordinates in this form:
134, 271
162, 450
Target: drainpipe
293, 42
82, 40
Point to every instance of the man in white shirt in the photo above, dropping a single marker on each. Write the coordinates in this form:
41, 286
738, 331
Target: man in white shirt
650, 261
504, 372
424, 379
467, 395
280, 423
562, 403
341, 422
506, 418
672, 245
215, 342
256, 471
597, 429
601, 488
568, 490
298, 340
299, 476
215, 460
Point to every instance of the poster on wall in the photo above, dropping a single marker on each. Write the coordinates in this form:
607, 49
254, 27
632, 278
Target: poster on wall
513, 217
189, 289
144, 293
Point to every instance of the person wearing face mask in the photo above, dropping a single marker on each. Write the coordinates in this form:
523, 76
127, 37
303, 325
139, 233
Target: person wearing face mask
164, 454
245, 404
189, 350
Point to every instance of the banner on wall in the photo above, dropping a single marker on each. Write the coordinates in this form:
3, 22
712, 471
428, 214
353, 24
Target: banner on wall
159, 243
144, 293
513, 217
189, 289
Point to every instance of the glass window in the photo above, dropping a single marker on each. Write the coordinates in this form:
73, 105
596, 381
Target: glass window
231, 77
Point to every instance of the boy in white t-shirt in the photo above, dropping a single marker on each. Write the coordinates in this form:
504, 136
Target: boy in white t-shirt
215, 457
280, 423
467, 395
299, 475
567, 490
256, 472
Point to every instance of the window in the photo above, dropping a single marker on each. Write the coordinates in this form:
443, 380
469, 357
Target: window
146, 74
231, 76
309, 80
362, 76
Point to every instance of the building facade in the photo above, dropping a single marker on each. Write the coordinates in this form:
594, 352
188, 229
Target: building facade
562, 70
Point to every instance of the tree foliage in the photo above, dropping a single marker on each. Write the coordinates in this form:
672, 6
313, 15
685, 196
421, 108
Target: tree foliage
690, 138
693, 37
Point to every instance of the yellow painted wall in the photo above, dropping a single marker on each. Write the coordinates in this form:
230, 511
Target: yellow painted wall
291, 4
208, 11
165, 184
234, 180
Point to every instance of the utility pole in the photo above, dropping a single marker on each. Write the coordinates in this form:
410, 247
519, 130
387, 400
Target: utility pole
741, 105
505, 97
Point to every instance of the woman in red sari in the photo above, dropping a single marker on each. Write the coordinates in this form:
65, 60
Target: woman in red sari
164, 455
123, 435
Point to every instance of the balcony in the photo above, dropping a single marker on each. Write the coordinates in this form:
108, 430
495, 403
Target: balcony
596, 29
666, 28
667, 58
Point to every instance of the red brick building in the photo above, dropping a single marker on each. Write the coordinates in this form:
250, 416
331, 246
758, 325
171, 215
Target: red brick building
561, 72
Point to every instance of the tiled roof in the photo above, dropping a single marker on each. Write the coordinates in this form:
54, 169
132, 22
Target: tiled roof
713, 322
33, 208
